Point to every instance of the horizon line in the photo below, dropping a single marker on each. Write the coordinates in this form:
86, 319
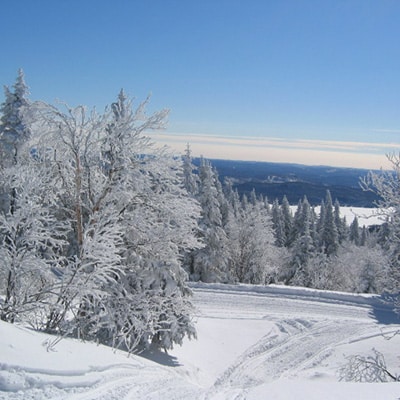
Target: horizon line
312, 152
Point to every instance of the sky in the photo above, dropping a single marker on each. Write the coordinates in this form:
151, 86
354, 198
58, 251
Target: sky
310, 82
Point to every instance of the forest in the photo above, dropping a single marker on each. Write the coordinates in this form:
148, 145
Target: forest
101, 230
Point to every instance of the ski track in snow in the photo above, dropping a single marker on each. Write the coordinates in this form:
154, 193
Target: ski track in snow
303, 328
295, 345
118, 382
308, 326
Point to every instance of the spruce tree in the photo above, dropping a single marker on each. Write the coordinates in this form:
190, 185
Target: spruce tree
303, 247
287, 220
354, 235
341, 224
210, 264
14, 131
190, 178
329, 234
364, 236
278, 224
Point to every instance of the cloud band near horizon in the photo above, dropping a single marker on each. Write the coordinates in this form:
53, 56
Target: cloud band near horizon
351, 154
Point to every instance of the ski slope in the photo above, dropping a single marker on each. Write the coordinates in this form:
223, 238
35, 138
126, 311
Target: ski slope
254, 343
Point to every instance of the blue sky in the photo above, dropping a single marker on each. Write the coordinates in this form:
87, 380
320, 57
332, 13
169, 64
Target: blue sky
315, 82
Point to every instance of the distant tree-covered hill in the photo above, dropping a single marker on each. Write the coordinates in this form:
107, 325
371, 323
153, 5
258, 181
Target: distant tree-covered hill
275, 180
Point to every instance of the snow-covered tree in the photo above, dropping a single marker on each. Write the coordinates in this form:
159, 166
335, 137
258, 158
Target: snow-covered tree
126, 219
287, 220
329, 237
254, 256
361, 270
364, 236
303, 247
387, 185
190, 178
278, 224
32, 240
341, 223
210, 264
354, 235
14, 131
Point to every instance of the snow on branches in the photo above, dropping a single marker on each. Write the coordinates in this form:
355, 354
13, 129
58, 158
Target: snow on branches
93, 225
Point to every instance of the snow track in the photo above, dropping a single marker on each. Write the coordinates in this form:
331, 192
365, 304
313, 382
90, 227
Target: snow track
308, 327
116, 382
292, 347
251, 339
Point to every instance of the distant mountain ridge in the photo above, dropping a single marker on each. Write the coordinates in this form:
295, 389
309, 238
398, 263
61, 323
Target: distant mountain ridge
276, 180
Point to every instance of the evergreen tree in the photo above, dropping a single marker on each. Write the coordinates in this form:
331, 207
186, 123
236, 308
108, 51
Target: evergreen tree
303, 247
341, 224
320, 226
14, 131
190, 178
287, 220
223, 202
253, 197
298, 223
354, 235
329, 234
210, 263
266, 204
364, 236
278, 224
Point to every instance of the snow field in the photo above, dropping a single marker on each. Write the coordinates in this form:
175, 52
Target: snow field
300, 337
254, 343
366, 216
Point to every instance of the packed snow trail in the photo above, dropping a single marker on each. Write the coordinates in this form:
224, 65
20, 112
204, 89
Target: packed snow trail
308, 326
254, 343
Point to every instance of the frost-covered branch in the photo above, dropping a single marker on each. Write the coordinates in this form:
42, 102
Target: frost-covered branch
370, 368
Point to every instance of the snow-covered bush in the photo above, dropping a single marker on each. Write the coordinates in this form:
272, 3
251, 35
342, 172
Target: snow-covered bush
370, 368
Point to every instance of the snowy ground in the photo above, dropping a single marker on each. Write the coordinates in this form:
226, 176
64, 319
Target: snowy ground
254, 343
366, 216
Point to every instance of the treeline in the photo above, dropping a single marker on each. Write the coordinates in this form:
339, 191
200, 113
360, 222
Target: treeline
251, 240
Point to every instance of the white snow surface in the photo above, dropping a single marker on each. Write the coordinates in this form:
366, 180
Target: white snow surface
254, 342
366, 216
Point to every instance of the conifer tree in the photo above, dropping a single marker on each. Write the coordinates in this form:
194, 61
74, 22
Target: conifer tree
190, 178
287, 220
329, 234
354, 235
278, 224
340, 223
320, 225
303, 247
298, 223
14, 131
364, 236
210, 263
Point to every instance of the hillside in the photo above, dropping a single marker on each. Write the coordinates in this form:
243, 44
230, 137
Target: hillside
253, 343
276, 180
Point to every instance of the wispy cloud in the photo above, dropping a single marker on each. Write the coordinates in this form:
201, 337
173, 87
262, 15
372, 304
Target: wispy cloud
321, 152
